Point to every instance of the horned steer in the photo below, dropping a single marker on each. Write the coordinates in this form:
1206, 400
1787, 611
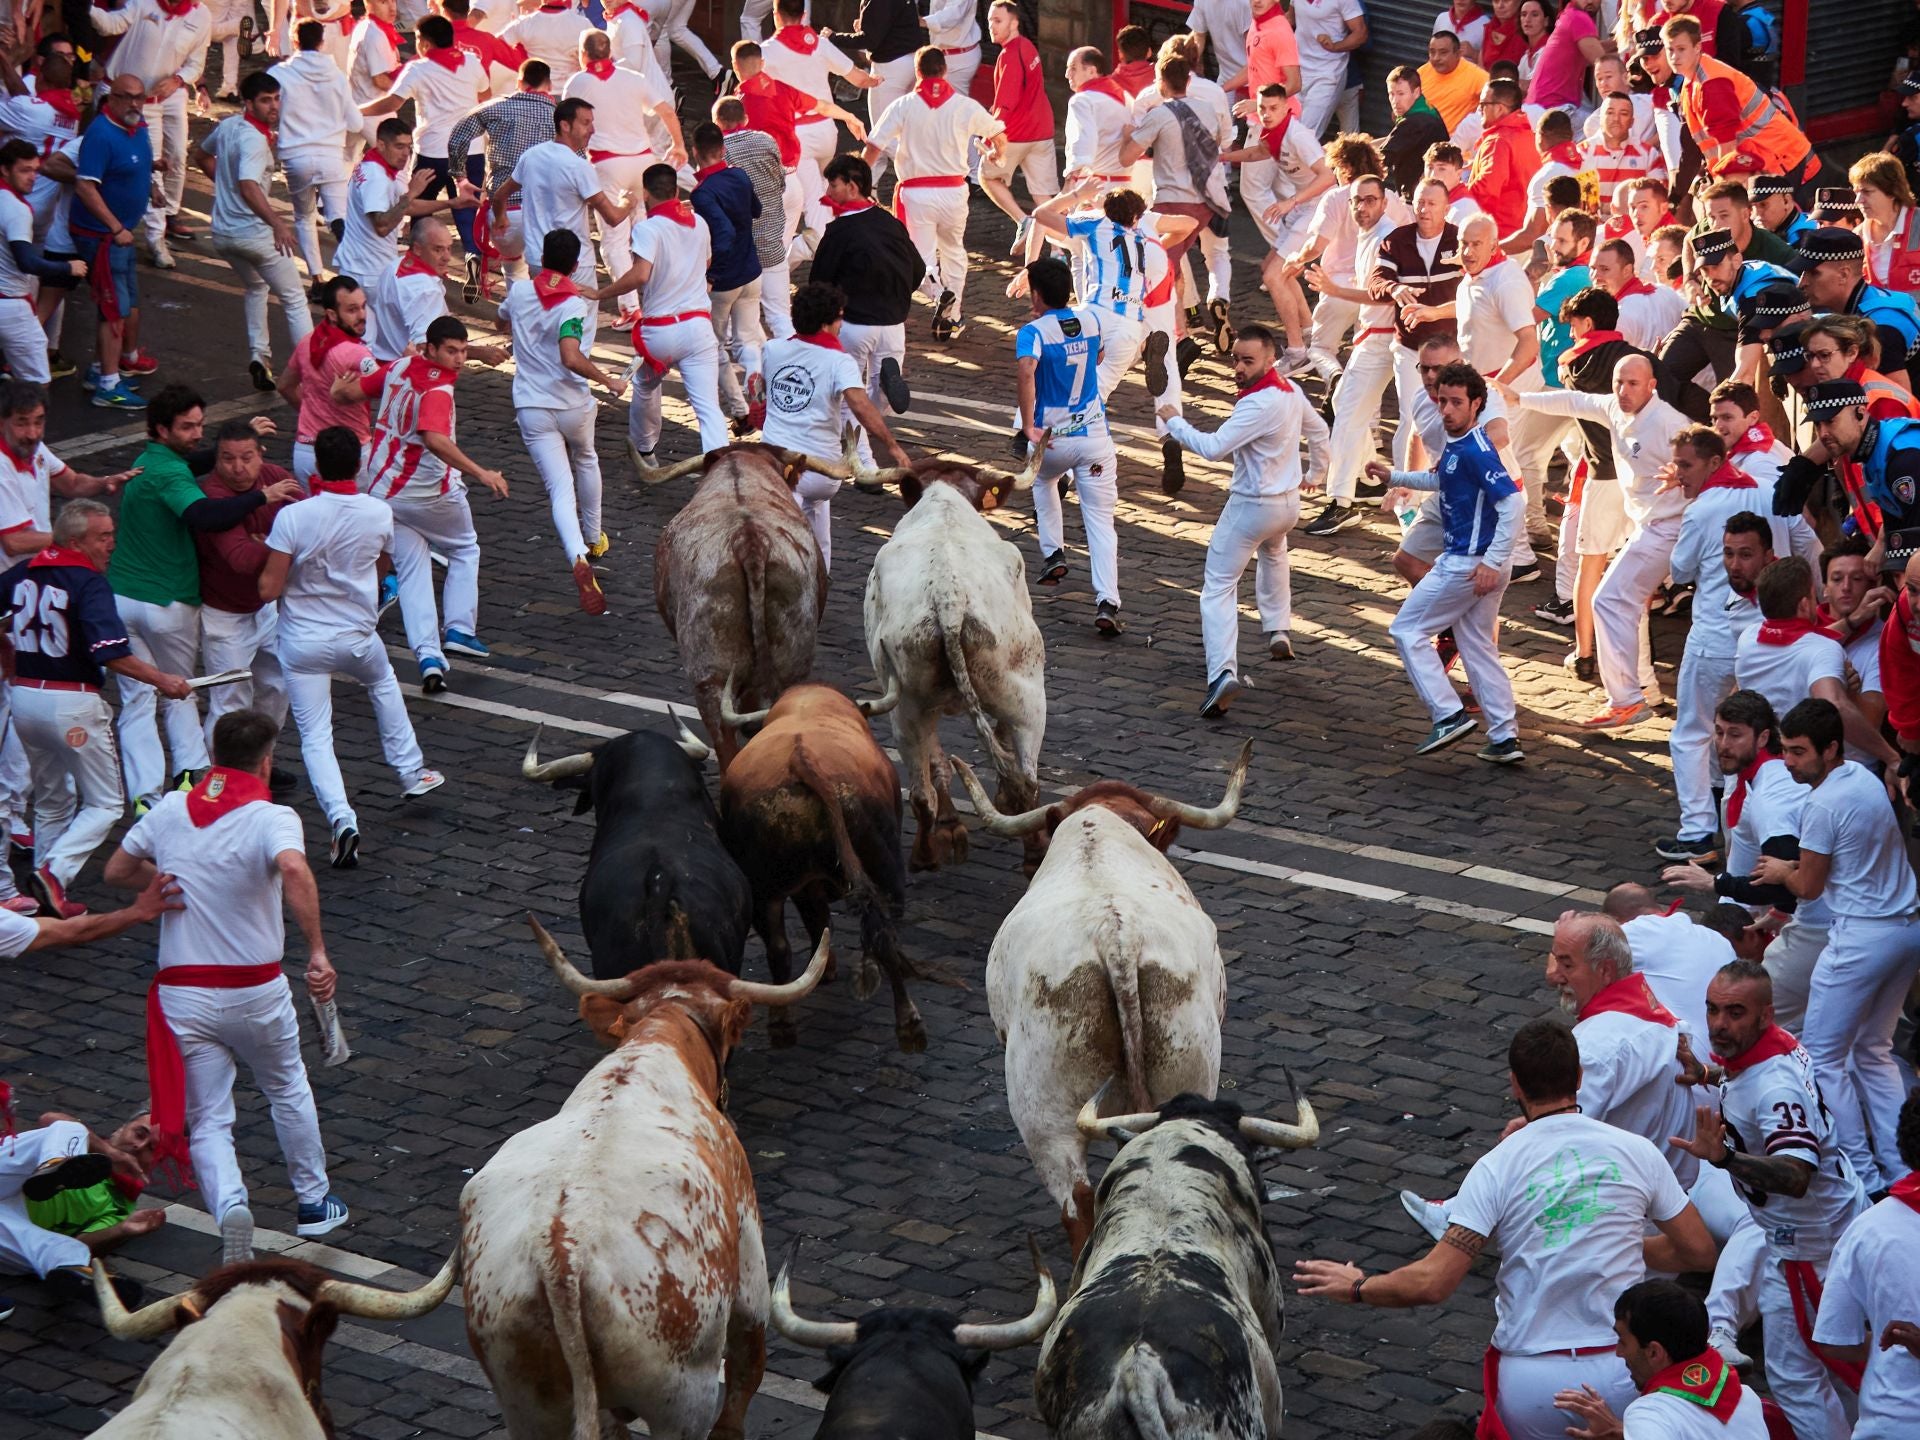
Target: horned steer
246, 1360
612, 1253
737, 577
950, 631
658, 885
1176, 1304
1106, 967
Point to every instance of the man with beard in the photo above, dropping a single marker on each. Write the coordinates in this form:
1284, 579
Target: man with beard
336, 347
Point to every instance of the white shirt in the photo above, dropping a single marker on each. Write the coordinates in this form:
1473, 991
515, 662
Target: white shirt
1874, 1277
1157, 128
1772, 809
1097, 126
1566, 1198
1648, 316
370, 56
241, 151
1225, 23
372, 190
316, 103
16, 223
540, 381
1785, 673
1333, 222
1549, 171
24, 502
332, 588
153, 44
556, 182
1263, 436
552, 36
622, 105
1472, 32
1678, 958
953, 24
400, 307
810, 69
17, 932
1849, 818
1299, 152
51, 202
1627, 1072
1493, 305
1314, 18
633, 48
441, 98
229, 878
1668, 1417
806, 386
679, 255
927, 141
29, 118
1377, 318
1642, 445
1773, 1108
1720, 617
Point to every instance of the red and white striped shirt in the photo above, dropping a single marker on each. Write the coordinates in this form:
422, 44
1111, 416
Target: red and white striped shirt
416, 400
1621, 167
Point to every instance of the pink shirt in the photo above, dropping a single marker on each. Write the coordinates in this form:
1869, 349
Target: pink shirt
1559, 69
318, 408
1271, 50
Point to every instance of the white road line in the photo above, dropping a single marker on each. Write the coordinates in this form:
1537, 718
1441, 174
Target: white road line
94, 444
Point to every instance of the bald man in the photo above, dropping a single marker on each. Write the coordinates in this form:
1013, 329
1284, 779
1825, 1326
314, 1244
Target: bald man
412, 294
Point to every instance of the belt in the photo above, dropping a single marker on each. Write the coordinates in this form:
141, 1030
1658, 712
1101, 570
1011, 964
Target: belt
1570, 1350
924, 182
1113, 177
24, 683
27, 298
959, 49
596, 156
676, 319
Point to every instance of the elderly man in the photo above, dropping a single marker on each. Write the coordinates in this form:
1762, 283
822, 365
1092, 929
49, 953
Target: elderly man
1098, 121
237, 629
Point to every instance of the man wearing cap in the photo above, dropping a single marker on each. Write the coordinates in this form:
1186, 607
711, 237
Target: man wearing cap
1905, 142
1710, 337
1877, 461
1772, 197
1834, 261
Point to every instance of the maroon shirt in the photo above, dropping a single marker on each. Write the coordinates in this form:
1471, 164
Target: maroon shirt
231, 559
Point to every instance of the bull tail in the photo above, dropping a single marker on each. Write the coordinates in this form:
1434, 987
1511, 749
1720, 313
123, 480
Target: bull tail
749, 549
562, 1287
1119, 948
1144, 1393
851, 869
952, 636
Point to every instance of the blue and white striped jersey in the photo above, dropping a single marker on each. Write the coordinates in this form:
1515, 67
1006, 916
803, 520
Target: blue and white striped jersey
1114, 266
1473, 482
1067, 382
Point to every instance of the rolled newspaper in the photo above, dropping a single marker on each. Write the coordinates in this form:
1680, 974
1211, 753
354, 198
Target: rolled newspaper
333, 1040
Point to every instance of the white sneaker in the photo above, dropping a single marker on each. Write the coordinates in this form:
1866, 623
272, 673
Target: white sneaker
236, 1236
1722, 1339
163, 255
1429, 1215
426, 781
1323, 365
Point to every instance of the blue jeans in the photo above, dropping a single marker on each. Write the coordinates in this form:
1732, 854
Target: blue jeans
443, 185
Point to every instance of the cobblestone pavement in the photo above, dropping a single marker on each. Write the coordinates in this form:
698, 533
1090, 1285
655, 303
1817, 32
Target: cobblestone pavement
1382, 916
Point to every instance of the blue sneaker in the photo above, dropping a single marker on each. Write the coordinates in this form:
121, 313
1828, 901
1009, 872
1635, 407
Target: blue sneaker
91, 380
433, 675
461, 643
121, 396
329, 1215
1445, 732
389, 593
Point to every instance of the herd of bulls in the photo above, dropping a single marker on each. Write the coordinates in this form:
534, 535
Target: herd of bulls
611, 1256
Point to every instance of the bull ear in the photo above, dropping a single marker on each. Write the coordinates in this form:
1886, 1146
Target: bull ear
606, 1018
910, 492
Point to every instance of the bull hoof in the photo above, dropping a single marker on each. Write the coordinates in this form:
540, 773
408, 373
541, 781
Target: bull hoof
912, 1035
955, 833
781, 1034
867, 980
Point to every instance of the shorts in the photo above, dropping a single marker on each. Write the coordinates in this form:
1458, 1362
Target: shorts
60, 282
122, 269
1603, 518
1033, 158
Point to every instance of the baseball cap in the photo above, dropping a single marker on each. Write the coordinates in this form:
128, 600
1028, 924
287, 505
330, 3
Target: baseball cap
1831, 242
1830, 396
1787, 350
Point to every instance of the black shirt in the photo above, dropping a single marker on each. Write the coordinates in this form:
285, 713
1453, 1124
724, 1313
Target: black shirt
870, 256
886, 30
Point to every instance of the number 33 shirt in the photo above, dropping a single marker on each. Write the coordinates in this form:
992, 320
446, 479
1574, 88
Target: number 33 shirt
65, 625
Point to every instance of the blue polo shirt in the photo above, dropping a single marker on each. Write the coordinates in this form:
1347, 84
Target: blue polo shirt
1555, 338
120, 162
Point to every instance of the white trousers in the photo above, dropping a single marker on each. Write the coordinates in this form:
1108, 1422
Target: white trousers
776, 301
1790, 961
167, 127
216, 1029
1123, 340
1319, 98
1093, 464
1257, 179
1528, 1384
1249, 526
819, 140
1217, 254
26, 1249
16, 782
1705, 680
736, 325
1535, 436
896, 78
561, 444
310, 671
77, 799
676, 29
443, 523
1356, 407
1332, 319
1406, 385
1817, 1405
263, 269
1620, 614
814, 494
230, 641
689, 347
1859, 984
24, 342
961, 68
1733, 1301
869, 345
1444, 597
167, 637
620, 181
936, 219
754, 15
316, 179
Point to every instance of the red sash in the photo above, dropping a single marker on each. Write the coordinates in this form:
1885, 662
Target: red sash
1804, 1289
166, 1071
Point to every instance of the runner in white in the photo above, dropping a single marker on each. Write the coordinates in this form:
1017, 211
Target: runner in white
1327, 32
799, 56
444, 83
322, 571
929, 132
675, 29
165, 46
953, 26
23, 265
1574, 1205
30, 473
412, 293
373, 59
551, 32
379, 196
317, 116
1099, 120
554, 406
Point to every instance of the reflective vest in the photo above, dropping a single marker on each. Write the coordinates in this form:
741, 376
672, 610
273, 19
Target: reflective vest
1879, 387
1766, 134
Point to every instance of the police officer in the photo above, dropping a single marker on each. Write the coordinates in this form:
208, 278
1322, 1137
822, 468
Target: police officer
1877, 462
1834, 260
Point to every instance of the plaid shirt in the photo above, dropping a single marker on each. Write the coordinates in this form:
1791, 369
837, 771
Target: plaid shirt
513, 125
755, 152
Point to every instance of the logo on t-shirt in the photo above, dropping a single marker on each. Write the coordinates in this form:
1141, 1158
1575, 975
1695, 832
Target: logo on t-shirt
1570, 1184
791, 390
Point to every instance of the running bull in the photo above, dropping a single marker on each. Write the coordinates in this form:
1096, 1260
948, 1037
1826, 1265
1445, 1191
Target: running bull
1107, 967
659, 885
612, 1253
1176, 1304
902, 1370
246, 1358
950, 631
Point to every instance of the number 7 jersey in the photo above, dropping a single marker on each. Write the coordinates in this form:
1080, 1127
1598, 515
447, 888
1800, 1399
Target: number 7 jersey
1066, 384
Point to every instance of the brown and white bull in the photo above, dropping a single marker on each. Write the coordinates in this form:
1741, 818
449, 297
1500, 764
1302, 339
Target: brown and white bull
1107, 967
612, 1254
246, 1358
950, 631
738, 579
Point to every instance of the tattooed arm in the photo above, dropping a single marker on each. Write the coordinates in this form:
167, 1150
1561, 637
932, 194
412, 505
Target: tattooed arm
1427, 1281
1771, 1174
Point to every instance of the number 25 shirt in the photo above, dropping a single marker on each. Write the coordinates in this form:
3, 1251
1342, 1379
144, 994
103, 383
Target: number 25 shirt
65, 624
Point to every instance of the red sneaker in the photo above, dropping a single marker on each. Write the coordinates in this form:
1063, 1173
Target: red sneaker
1618, 717
592, 599
53, 896
137, 363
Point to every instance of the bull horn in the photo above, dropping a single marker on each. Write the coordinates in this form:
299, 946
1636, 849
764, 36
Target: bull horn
1115, 1127
1025, 823
1304, 1131
794, 989
891, 698
571, 978
660, 475
567, 767
370, 1302
694, 748
1024, 479
727, 715
149, 1322
1217, 817
1018, 1332
814, 1334
850, 459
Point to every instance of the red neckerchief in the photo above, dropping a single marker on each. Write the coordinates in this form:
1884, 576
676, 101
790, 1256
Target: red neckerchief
1133, 76
317, 486
1907, 1191
1634, 286
1274, 136
1567, 154
801, 39
1728, 478
1593, 340
824, 339
600, 69
325, 336
424, 375
1737, 799
62, 103
1499, 258
847, 207
1474, 12
935, 90
411, 264
387, 29
1785, 632
551, 288
1630, 995
22, 194
1774, 1041
556, 7
59, 555
1108, 86
1706, 1380
272, 138
615, 10
1268, 18
1269, 381
714, 169
451, 58
393, 171
1758, 437
221, 792
1458, 192
174, 9
677, 211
